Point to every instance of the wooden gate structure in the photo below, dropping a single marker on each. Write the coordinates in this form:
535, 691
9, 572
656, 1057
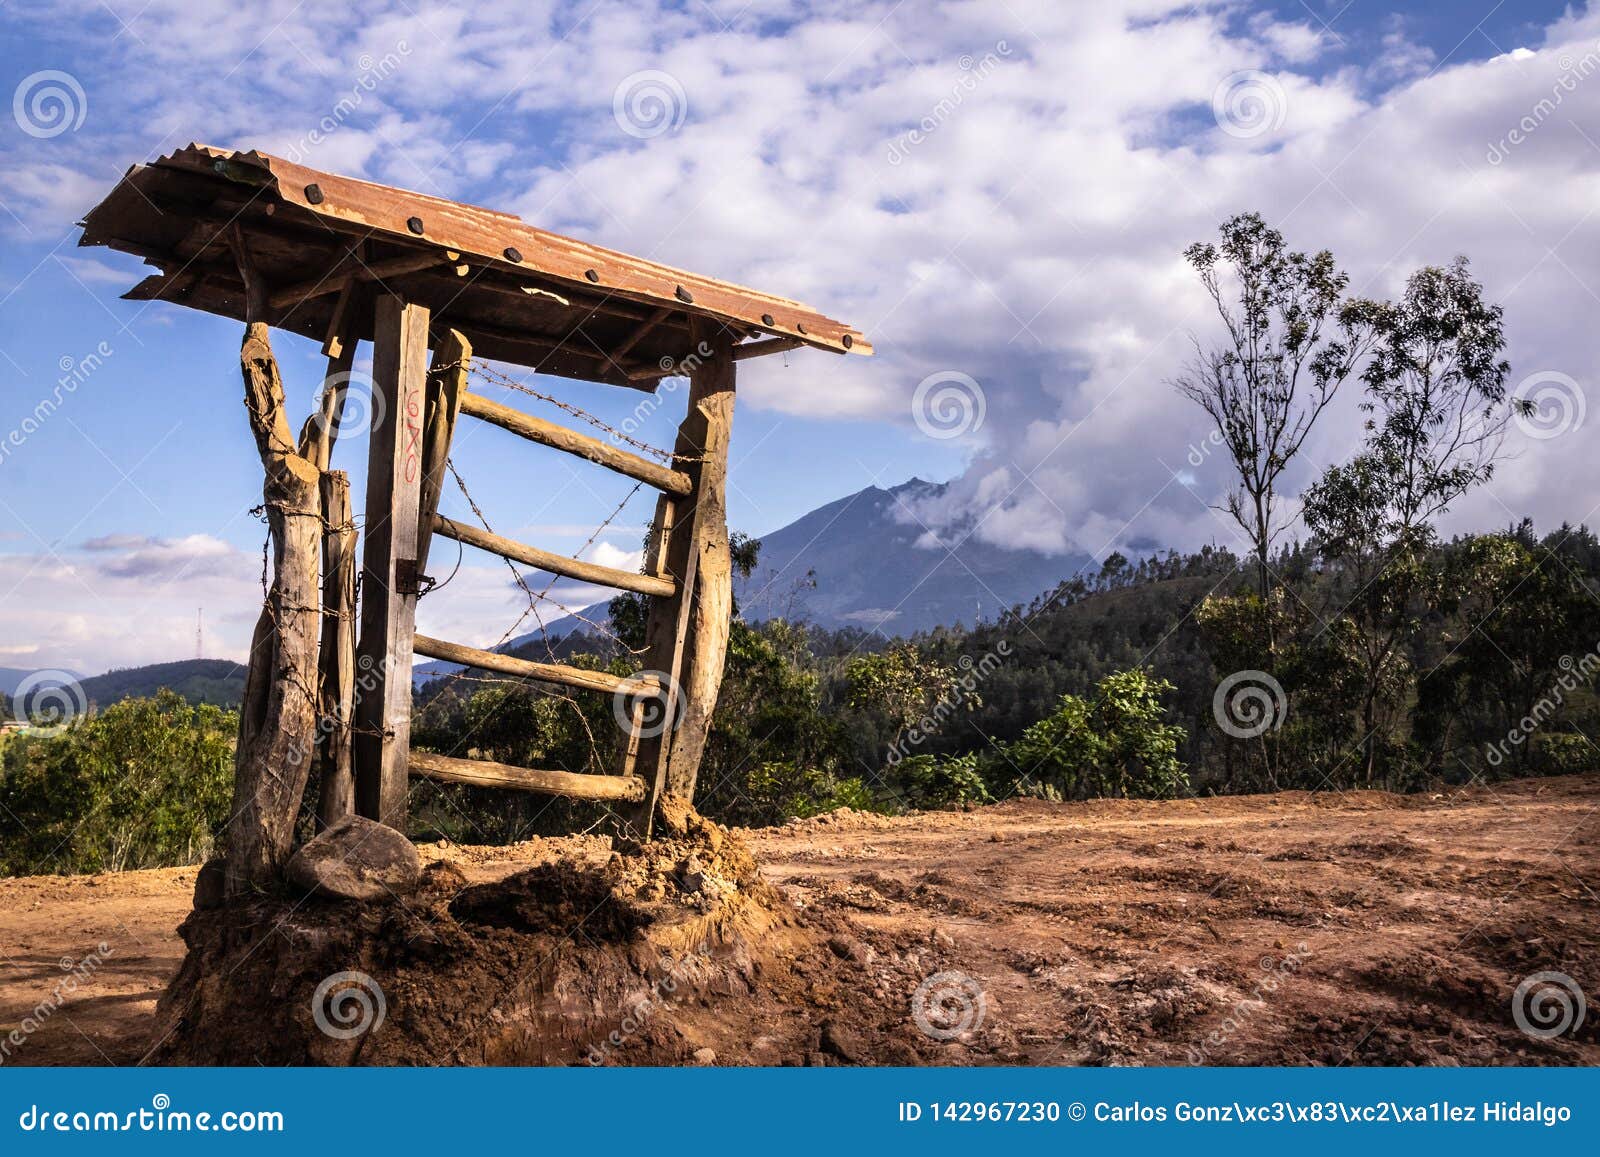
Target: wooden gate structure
274, 244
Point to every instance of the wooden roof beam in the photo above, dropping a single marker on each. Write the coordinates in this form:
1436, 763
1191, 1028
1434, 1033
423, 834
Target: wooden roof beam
607, 370
771, 345
637, 335
301, 292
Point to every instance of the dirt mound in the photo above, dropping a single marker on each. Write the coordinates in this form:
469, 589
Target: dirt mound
551, 965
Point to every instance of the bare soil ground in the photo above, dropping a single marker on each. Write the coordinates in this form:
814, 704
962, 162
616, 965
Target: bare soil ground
1350, 928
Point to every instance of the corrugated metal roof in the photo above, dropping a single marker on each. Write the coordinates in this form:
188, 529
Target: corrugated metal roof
523, 286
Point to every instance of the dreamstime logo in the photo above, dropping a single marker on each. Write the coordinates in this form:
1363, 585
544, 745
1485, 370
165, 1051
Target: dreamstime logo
963, 690
1249, 703
49, 103
1575, 674
48, 702
673, 367
1249, 103
1549, 404
948, 1004
74, 372
1547, 1005
948, 404
972, 74
645, 710
1199, 453
637, 1014
1572, 73
649, 103
77, 972
328, 725
644, 410
373, 72
362, 409
347, 1005
1274, 971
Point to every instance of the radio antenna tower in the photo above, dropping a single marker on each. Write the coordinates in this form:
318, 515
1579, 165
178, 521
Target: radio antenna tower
199, 631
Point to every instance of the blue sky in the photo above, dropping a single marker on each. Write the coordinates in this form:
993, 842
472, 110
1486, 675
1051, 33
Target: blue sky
996, 192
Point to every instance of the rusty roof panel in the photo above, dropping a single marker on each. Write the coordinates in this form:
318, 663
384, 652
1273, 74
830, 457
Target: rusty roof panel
294, 215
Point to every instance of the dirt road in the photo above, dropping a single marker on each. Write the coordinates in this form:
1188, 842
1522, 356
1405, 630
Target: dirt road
1355, 928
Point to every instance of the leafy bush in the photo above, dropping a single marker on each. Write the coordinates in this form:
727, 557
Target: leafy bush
144, 783
1114, 743
933, 781
770, 740
772, 791
1564, 753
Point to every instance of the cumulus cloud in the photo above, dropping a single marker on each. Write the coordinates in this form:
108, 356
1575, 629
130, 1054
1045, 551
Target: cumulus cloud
124, 600
142, 557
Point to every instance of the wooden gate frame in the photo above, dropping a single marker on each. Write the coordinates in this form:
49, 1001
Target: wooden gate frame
688, 574
272, 243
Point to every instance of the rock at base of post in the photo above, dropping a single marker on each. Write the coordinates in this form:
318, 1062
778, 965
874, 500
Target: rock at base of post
356, 859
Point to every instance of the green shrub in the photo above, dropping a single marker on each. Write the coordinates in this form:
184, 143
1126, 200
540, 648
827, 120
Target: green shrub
935, 781
144, 783
1114, 743
1564, 753
771, 791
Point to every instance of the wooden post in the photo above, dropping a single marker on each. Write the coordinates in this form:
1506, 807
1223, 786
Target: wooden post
447, 381
337, 665
686, 636
278, 717
337, 659
389, 561
321, 429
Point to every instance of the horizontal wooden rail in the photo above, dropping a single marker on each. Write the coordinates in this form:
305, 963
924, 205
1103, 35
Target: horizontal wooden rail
486, 773
528, 669
560, 438
589, 572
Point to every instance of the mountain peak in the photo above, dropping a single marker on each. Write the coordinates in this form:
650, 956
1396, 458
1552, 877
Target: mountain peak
918, 486
873, 567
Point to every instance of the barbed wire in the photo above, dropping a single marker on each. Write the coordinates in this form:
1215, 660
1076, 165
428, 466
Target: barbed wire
495, 377
534, 598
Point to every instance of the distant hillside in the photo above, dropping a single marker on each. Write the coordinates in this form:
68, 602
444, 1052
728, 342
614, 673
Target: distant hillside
11, 678
869, 568
429, 679
217, 681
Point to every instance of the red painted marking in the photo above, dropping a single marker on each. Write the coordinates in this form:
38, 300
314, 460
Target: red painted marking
413, 436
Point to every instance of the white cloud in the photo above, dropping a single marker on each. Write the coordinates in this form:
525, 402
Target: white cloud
127, 600
92, 271
162, 560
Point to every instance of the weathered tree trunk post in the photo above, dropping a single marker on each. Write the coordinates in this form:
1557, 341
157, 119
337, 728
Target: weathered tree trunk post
382, 738
447, 381
337, 794
687, 633
336, 663
278, 717
321, 429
